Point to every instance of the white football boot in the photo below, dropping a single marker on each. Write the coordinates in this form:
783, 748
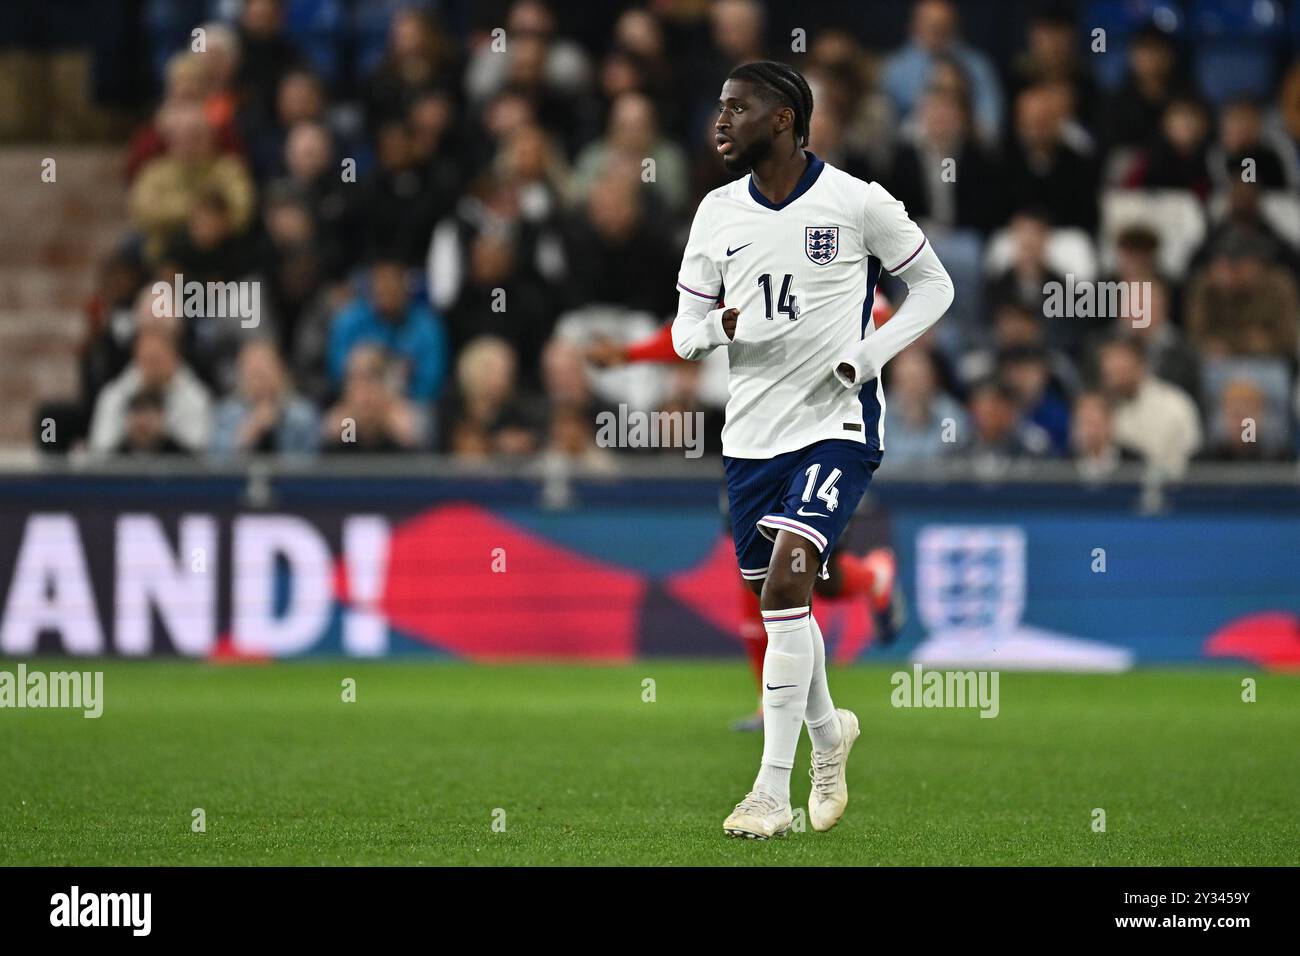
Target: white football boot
759, 816
830, 793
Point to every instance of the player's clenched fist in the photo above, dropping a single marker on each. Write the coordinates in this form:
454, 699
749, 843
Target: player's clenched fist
729, 322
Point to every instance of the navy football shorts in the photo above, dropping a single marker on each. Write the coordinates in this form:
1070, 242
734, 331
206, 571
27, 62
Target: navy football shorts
812, 491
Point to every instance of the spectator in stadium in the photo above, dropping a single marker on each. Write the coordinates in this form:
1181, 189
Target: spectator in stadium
683, 398
826, 139
567, 111
1154, 419
1241, 429
1043, 169
264, 415
1242, 150
266, 54
502, 297
1026, 372
846, 84
1178, 156
111, 316
1154, 77
300, 99
1288, 105
619, 250
735, 35
223, 57
924, 422
1240, 304
565, 66
155, 366
571, 409
407, 332
570, 440
633, 131
419, 59
399, 202
1092, 437
373, 416
1245, 220
536, 170
1015, 326
188, 80
312, 172
1168, 353
145, 432
487, 413
437, 147
941, 173
638, 63
1025, 279
1135, 255
169, 186
208, 248
935, 33
1053, 54
999, 434
297, 264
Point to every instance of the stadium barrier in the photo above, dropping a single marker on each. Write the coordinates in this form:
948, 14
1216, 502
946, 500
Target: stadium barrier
1023, 568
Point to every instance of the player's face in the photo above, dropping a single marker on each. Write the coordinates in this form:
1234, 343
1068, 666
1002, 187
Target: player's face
743, 130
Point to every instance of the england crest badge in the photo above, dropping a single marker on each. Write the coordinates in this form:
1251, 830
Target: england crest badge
822, 243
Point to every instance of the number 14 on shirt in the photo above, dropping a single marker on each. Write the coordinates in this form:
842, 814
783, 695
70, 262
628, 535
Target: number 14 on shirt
786, 303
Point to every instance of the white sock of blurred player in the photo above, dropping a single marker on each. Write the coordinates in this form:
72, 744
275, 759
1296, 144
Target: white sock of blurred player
787, 673
820, 716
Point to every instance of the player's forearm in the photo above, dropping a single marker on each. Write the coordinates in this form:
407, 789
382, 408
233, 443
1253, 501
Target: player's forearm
697, 330
929, 293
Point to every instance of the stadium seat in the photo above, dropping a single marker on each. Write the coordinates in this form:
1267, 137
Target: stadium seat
1236, 18
1235, 45
318, 26
1068, 251
1175, 215
1226, 69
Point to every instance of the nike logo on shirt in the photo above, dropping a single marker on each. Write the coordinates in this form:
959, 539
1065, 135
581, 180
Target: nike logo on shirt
732, 252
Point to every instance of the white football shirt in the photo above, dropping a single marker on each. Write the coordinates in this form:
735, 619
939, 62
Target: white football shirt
803, 275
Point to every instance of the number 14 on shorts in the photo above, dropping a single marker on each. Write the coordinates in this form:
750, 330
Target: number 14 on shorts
827, 492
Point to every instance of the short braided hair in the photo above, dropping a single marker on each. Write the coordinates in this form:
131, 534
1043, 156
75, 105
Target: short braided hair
784, 85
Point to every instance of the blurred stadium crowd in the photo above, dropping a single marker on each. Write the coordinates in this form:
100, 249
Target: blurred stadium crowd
473, 288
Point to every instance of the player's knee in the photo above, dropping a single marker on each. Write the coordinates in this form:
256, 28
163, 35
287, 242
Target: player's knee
783, 588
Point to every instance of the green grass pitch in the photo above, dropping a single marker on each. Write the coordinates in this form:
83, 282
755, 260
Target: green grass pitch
416, 770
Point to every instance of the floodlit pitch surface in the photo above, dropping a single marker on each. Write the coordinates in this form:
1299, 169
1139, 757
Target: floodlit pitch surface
455, 764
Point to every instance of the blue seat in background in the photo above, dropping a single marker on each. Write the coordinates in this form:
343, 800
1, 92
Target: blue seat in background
1229, 68
319, 28
1122, 17
1236, 18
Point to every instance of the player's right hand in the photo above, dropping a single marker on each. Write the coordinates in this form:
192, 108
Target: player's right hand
729, 322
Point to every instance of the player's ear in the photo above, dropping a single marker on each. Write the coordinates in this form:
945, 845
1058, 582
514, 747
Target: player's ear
782, 120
